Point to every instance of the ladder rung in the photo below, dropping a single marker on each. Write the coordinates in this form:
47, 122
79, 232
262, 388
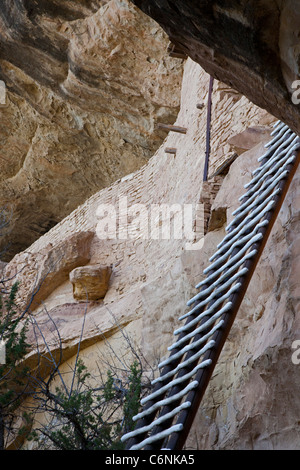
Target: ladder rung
171, 150
169, 127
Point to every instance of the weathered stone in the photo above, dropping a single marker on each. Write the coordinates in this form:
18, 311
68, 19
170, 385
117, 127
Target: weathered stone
217, 218
90, 282
248, 139
40, 275
57, 329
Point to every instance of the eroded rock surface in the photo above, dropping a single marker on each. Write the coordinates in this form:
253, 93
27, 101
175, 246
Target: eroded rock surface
86, 83
41, 274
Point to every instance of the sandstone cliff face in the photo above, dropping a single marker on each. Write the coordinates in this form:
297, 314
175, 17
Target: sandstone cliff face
252, 401
86, 83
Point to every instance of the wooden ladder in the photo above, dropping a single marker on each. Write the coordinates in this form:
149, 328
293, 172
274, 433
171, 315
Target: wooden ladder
169, 410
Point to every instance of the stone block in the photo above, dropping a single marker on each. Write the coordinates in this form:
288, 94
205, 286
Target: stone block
90, 282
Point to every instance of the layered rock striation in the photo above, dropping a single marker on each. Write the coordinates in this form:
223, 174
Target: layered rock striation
86, 83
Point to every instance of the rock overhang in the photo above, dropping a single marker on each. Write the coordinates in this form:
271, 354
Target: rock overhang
253, 46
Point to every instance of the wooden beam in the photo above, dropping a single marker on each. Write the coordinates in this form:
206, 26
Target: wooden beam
178, 55
169, 127
171, 150
175, 51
